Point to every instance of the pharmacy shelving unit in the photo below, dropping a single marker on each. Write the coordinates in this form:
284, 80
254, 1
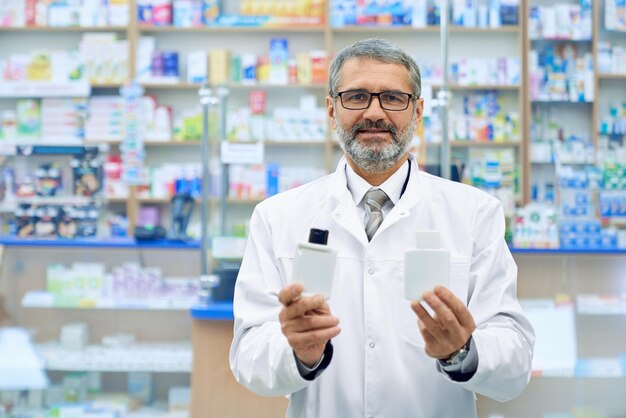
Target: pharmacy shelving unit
589, 285
325, 155
239, 41
162, 329
610, 86
423, 43
161, 326
574, 117
542, 273
30, 38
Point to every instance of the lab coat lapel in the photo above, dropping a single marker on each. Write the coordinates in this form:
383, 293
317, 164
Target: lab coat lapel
416, 190
344, 213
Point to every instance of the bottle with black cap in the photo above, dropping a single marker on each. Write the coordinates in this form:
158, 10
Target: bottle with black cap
315, 264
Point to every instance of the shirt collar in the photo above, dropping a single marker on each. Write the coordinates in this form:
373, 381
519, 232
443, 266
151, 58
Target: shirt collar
392, 187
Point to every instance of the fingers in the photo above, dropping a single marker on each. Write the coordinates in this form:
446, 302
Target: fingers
426, 321
449, 327
290, 294
311, 338
455, 304
429, 340
300, 307
309, 323
444, 316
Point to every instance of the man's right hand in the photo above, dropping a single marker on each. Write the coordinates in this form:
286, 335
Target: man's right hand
307, 323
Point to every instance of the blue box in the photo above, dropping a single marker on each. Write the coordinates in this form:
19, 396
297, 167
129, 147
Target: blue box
273, 173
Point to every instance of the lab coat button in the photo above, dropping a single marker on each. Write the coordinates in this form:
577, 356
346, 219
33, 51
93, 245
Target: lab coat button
372, 345
371, 271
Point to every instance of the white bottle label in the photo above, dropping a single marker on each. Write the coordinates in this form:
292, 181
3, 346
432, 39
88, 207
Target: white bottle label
423, 270
315, 269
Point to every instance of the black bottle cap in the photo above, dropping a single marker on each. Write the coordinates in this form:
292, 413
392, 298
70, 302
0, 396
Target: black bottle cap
318, 236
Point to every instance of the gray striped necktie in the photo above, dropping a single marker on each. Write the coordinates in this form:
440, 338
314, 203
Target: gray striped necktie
374, 200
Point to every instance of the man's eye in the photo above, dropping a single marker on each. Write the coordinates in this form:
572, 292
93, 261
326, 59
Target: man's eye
357, 96
393, 98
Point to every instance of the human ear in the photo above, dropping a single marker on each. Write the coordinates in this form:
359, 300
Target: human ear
330, 110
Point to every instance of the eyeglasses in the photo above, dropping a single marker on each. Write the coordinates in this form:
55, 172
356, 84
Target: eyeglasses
389, 100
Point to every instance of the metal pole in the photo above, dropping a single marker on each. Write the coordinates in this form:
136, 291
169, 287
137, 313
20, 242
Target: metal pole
443, 96
222, 93
207, 282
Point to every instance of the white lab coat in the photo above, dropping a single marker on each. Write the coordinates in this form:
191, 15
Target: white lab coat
379, 368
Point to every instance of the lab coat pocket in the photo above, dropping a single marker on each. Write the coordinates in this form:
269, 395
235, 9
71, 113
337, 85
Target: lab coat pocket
285, 268
459, 278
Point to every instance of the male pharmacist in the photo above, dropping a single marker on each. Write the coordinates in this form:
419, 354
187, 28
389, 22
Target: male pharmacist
367, 351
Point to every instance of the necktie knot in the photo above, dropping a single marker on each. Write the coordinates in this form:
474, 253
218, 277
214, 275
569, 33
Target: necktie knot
374, 200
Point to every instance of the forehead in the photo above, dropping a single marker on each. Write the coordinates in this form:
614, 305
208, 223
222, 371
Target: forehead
374, 76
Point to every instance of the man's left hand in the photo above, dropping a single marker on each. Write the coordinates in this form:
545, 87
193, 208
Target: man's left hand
451, 326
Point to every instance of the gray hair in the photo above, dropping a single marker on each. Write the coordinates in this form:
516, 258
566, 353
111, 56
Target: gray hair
377, 50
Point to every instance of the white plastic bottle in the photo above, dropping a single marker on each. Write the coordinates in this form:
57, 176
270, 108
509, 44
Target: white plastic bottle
315, 264
426, 266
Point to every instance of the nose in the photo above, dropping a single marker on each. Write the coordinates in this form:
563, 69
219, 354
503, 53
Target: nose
374, 112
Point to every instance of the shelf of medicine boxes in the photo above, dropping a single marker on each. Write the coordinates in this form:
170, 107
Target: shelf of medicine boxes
176, 85
477, 144
65, 29
464, 87
13, 241
428, 29
232, 29
42, 299
167, 200
159, 358
198, 142
39, 89
560, 39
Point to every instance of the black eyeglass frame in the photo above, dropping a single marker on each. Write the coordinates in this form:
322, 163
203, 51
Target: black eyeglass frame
372, 95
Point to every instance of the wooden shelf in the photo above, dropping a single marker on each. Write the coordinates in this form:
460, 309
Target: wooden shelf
166, 200
609, 76
147, 143
559, 40
427, 29
115, 199
385, 29
295, 143
232, 86
146, 357
65, 29
501, 29
225, 29
189, 143
106, 85
234, 201
476, 144
534, 101
197, 143
154, 200
461, 87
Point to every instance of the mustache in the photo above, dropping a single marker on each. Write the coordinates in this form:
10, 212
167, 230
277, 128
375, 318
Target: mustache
368, 124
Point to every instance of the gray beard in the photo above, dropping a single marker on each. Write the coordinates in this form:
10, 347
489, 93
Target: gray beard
375, 158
